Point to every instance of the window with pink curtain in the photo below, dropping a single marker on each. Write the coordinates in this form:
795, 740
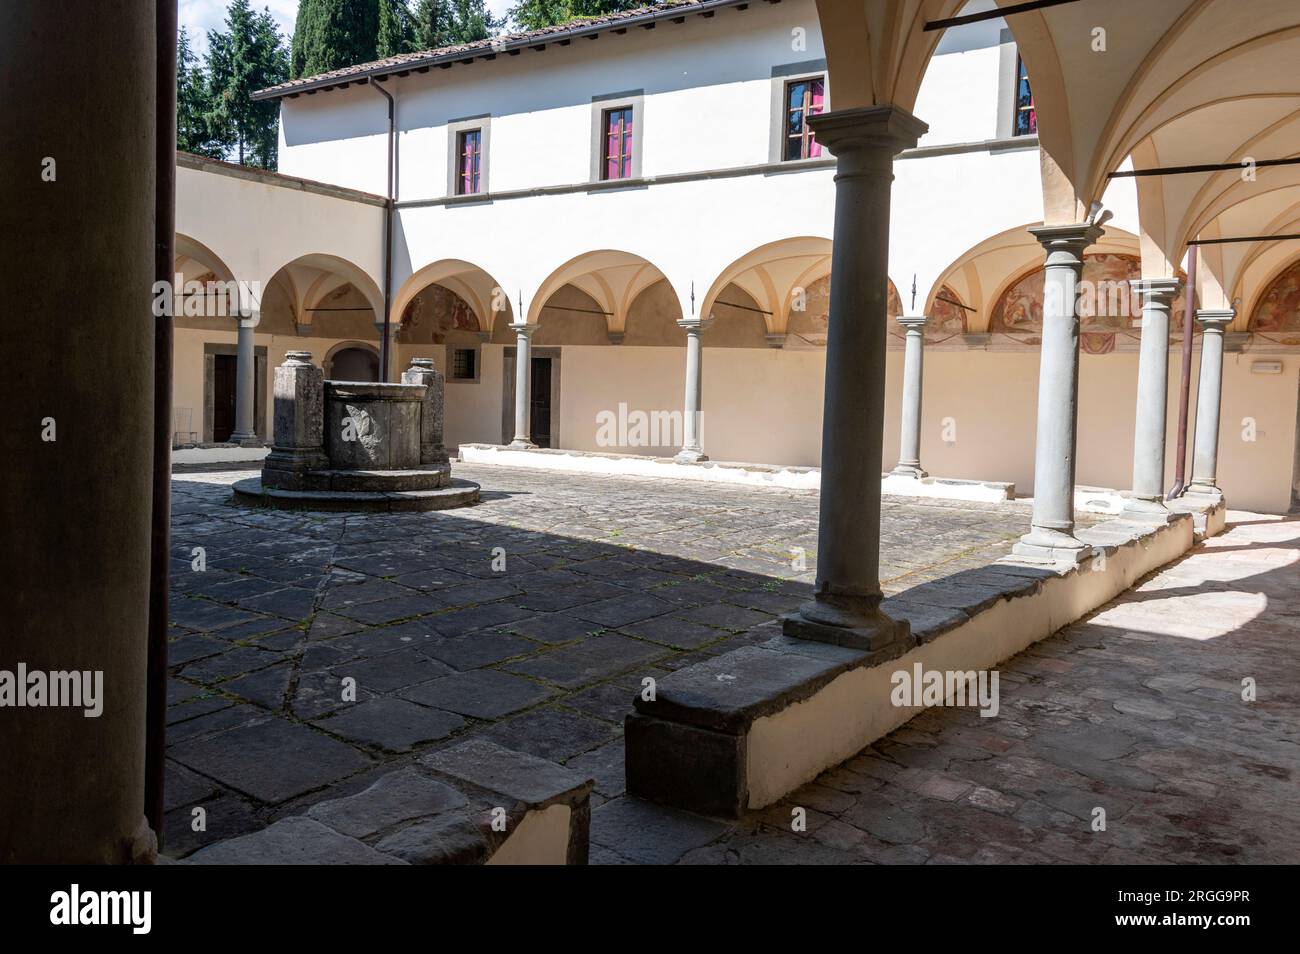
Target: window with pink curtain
803, 98
618, 143
469, 148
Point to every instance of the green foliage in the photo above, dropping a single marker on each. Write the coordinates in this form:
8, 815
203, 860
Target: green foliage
248, 55
449, 22
192, 102
331, 34
396, 29
535, 14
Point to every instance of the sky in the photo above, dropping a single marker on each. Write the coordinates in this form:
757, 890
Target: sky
199, 16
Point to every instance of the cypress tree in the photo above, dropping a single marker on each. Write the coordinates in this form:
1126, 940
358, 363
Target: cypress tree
396, 29
331, 34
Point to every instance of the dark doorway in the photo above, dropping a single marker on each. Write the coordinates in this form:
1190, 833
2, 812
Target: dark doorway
223, 397
540, 405
355, 364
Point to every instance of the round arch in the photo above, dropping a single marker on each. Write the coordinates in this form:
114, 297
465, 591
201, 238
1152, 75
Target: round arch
611, 278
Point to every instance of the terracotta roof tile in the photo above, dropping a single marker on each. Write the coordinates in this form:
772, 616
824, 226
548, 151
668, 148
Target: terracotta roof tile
507, 41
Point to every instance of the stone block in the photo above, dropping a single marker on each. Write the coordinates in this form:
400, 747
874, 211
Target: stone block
372, 426
688, 767
299, 393
423, 372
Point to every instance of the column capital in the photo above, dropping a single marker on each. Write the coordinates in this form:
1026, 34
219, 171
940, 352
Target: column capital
913, 323
1156, 289
846, 131
1071, 238
1215, 320
695, 324
523, 328
297, 357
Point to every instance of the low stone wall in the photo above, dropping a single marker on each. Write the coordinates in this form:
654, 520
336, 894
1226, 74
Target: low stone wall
744, 729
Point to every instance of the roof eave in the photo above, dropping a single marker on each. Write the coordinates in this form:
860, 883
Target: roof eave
512, 47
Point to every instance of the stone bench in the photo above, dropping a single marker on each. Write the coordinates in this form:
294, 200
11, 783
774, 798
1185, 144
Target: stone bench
473, 803
742, 730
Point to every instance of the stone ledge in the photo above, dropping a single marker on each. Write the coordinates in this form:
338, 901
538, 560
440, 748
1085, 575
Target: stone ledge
720, 471
457, 493
446, 809
742, 730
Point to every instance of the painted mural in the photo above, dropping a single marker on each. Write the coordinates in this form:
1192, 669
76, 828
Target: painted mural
948, 316
1277, 314
809, 325
441, 310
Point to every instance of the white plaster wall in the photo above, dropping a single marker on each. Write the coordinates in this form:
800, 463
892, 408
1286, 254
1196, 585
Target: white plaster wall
256, 227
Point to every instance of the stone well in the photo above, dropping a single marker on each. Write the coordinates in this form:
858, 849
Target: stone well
356, 445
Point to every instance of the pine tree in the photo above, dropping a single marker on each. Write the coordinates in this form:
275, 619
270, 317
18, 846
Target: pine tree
247, 56
192, 102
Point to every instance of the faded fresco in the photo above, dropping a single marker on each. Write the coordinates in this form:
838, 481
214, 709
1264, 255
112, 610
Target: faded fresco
1277, 314
435, 312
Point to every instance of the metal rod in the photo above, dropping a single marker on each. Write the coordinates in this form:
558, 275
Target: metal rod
388, 234
993, 14
585, 311
1185, 386
1244, 238
1204, 167
956, 304
732, 304
155, 744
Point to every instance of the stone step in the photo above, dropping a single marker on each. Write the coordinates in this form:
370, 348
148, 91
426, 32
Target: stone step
472, 803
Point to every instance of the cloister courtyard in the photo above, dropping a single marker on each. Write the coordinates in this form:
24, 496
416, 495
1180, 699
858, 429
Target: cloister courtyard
533, 619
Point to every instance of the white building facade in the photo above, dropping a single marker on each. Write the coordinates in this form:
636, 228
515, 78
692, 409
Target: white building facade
602, 195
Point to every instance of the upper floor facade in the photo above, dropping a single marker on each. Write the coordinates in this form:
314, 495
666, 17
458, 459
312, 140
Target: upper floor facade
691, 93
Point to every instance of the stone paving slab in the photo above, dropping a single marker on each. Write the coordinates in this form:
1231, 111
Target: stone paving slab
606, 582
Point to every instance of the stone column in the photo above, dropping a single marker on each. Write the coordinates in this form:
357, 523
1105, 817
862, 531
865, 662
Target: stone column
245, 432
299, 435
909, 442
1051, 536
422, 371
1147, 500
846, 604
692, 447
1209, 395
78, 169
523, 383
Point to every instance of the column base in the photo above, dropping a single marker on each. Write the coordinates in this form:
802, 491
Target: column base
863, 628
245, 439
1203, 490
689, 455
909, 470
521, 443
1146, 510
1044, 545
